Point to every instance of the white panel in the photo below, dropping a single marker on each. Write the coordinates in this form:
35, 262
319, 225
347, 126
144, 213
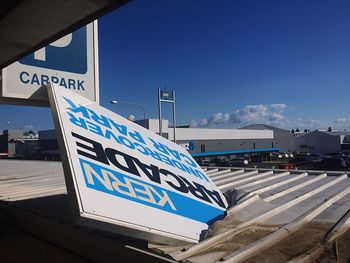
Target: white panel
224, 134
71, 62
125, 175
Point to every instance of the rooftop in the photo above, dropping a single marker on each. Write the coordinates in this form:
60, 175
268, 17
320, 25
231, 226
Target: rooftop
262, 127
278, 216
287, 215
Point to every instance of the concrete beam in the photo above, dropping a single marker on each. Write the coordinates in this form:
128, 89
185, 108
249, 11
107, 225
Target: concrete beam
26, 26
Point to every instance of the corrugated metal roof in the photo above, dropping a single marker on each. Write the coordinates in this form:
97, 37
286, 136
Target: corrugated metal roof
262, 127
33, 197
280, 216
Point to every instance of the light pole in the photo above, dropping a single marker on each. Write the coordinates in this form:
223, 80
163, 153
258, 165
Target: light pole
135, 104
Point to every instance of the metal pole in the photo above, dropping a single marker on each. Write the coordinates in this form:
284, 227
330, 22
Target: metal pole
160, 113
174, 117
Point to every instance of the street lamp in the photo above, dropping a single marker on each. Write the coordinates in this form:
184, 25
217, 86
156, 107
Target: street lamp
132, 103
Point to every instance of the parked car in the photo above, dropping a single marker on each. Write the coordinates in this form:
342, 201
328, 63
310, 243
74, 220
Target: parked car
289, 166
238, 162
206, 163
220, 162
276, 155
335, 154
333, 163
303, 161
4, 155
285, 155
311, 156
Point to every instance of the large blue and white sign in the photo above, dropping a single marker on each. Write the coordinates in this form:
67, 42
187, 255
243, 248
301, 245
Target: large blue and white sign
127, 178
70, 62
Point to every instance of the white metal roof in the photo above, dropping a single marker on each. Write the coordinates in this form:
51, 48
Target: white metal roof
21, 180
280, 216
33, 197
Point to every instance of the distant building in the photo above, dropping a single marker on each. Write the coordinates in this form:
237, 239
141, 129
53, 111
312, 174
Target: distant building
18, 144
321, 142
215, 142
48, 145
281, 137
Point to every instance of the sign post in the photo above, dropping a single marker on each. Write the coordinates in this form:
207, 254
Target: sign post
167, 97
122, 177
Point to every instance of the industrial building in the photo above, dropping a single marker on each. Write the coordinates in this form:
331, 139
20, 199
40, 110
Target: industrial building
204, 142
18, 144
321, 142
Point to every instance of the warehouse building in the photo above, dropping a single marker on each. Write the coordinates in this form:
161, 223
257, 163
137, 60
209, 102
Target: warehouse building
321, 142
203, 142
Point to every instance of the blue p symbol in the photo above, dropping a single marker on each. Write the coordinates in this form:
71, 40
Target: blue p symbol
67, 54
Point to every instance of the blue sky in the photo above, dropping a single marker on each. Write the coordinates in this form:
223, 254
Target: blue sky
231, 63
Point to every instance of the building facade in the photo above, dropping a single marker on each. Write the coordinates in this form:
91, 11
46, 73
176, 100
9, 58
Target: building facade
216, 142
18, 144
321, 142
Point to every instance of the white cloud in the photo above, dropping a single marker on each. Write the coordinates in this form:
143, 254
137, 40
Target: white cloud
273, 114
279, 106
342, 120
219, 118
275, 117
261, 113
320, 123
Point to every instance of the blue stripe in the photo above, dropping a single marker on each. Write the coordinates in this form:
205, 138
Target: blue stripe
235, 152
185, 206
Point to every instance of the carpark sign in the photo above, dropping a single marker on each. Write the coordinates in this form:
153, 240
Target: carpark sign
124, 178
71, 62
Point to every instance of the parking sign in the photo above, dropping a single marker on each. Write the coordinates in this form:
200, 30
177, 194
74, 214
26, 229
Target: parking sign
71, 62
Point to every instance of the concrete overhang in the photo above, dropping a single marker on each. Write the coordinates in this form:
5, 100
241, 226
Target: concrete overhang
27, 25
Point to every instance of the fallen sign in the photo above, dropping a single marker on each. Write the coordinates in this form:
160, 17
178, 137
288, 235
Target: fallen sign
124, 178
